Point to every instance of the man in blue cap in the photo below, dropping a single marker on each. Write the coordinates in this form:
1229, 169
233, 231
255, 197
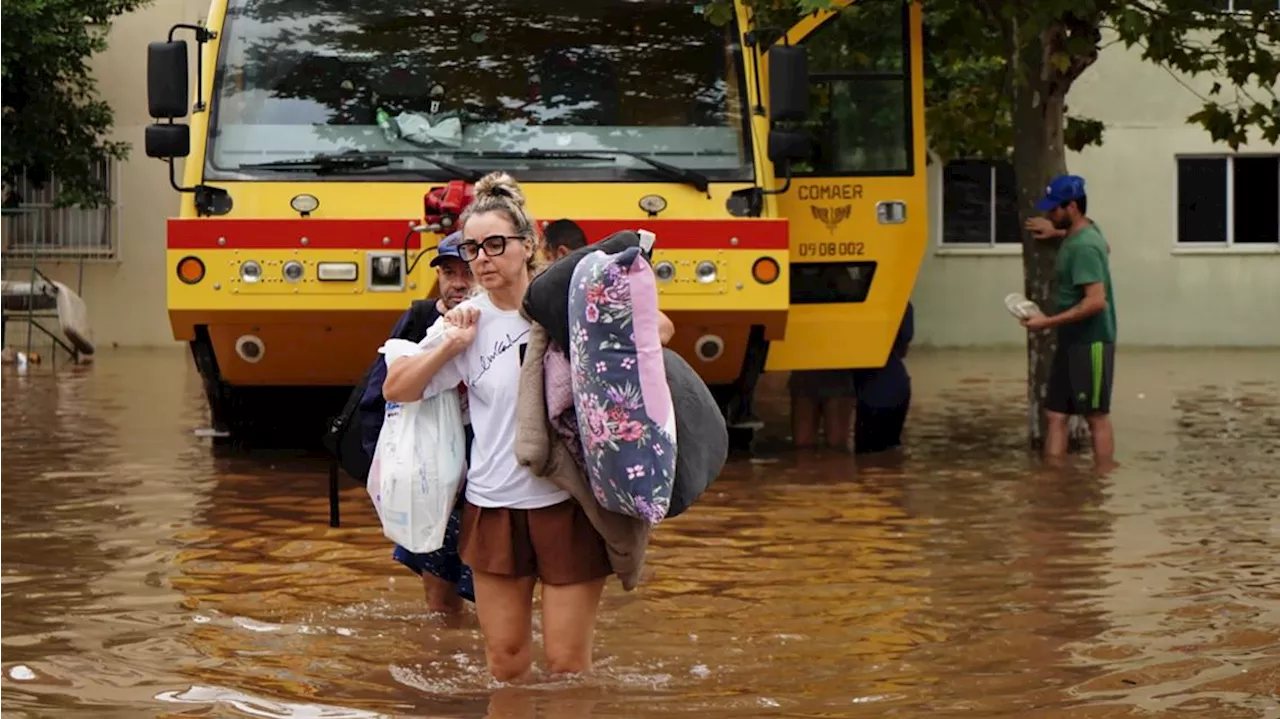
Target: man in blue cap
453, 275
446, 580
1084, 314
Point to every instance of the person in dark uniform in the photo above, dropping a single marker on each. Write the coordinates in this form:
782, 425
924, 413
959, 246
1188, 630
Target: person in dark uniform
884, 395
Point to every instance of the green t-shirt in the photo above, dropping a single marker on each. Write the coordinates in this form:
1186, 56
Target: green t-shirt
1082, 260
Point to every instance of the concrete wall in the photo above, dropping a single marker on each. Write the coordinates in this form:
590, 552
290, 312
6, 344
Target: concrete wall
1164, 297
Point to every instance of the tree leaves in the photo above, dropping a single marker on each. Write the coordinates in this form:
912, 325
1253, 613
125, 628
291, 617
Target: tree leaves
54, 122
1081, 132
718, 12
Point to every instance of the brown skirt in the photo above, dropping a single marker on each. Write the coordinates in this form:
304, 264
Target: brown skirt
556, 544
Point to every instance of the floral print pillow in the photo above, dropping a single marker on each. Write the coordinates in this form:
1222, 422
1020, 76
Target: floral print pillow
620, 392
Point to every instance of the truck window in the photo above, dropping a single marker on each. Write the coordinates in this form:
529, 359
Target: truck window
462, 79
859, 93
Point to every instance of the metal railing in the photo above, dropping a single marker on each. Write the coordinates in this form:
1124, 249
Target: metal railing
39, 230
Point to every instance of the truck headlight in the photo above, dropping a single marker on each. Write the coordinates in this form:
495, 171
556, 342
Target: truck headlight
705, 271
250, 271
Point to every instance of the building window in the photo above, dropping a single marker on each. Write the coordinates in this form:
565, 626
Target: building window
35, 228
1227, 201
979, 204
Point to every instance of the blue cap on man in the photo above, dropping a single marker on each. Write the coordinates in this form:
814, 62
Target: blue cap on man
448, 247
1063, 189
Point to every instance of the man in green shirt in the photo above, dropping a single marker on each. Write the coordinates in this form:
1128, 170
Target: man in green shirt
1084, 314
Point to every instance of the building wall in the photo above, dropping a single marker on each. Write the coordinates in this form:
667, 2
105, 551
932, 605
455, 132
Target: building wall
1164, 297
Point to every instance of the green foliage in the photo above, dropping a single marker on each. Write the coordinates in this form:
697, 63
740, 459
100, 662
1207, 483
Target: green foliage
54, 122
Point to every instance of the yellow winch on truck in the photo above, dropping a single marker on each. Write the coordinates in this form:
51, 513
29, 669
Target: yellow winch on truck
780, 161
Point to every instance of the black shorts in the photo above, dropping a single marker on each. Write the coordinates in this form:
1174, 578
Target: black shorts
1080, 379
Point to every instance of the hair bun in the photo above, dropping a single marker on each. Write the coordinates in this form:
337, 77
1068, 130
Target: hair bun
499, 184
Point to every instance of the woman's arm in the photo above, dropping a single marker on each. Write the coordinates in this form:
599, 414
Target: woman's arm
409, 377
666, 328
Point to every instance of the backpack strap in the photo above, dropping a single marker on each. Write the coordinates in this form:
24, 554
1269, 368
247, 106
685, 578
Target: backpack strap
338, 423
422, 314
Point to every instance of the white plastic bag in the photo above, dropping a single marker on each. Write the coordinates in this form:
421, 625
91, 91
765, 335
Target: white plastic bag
419, 461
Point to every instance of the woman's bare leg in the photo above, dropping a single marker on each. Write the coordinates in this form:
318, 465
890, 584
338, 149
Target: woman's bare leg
569, 624
504, 606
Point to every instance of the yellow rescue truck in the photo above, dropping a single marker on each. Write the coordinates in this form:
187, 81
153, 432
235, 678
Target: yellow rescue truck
330, 145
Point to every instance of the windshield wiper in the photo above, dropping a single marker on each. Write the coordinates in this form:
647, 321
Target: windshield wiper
693, 178
356, 161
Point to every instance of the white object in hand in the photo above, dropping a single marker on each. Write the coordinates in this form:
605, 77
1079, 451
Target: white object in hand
647, 240
1021, 307
420, 459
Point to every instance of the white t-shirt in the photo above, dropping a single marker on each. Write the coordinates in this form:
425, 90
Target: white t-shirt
490, 368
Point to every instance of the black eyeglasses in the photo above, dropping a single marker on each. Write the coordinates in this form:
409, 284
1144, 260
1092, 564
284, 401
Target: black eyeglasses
493, 245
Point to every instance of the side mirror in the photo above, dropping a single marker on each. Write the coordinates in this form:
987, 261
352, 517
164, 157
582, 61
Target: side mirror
785, 146
167, 89
168, 140
788, 83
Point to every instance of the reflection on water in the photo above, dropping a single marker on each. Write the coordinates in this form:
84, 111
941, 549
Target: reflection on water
144, 575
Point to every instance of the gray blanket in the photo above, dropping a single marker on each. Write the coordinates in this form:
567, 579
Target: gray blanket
702, 439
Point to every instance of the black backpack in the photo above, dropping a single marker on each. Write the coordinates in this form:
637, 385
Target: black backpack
343, 438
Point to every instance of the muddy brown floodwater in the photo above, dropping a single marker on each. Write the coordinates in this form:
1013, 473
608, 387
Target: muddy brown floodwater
146, 575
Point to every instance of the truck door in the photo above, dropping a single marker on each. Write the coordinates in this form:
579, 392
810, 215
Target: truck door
856, 205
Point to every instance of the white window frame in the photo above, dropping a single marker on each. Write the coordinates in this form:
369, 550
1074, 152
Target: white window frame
991, 247
1228, 244
75, 246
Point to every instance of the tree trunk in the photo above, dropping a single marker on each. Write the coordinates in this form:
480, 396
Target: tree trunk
1038, 155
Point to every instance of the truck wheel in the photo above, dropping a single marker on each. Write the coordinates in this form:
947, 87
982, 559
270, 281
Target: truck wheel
278, 417
293, 417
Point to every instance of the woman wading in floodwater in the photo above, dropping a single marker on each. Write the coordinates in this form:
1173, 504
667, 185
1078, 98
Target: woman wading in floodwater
517, 527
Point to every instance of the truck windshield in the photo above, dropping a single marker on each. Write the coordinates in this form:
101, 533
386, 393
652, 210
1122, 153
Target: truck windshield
519, 85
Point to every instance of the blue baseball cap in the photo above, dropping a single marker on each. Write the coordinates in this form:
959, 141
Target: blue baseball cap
448, 248
1063, 189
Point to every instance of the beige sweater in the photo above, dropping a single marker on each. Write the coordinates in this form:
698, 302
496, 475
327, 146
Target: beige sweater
545, 454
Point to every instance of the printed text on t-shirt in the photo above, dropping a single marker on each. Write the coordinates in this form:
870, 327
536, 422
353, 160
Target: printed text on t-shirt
502, 345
